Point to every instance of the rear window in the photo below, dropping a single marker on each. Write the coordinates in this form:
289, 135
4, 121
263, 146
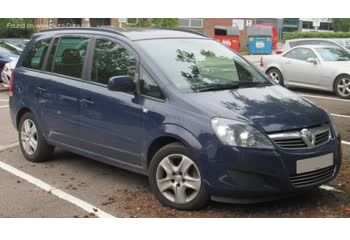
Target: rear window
35, 57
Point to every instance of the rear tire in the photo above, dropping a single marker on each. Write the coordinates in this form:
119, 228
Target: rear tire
276, 76
32, 143
342, 86
174, 170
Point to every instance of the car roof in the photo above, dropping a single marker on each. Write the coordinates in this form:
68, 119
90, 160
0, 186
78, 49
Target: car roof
314, 46
135, 34
302, 39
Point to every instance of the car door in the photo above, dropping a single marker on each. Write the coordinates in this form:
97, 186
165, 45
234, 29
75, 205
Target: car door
111, 121
297, 69
64, 70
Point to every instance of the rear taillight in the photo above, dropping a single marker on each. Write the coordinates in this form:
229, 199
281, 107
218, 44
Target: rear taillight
279, 51
261, 62
11, 84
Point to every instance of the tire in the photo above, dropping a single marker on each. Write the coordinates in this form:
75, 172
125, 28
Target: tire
177, 153
342, 86
276, 76
43, 151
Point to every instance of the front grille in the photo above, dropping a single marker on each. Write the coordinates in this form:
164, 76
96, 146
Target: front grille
303, 138
239, 178
311, 178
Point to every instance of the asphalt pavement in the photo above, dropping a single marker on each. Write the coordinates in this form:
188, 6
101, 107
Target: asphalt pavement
73, 186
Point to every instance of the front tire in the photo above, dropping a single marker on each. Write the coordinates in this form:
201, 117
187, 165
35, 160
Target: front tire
175, 178
342, 86
276, 76
32, 143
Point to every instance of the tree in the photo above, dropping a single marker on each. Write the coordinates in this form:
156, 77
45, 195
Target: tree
16, 27
153, 22
341, 24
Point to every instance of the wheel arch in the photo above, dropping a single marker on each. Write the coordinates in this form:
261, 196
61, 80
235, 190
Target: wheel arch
19, 115
171, 133
338, 76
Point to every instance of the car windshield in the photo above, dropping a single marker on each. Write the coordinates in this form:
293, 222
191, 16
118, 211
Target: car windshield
7, 48
344, 42
333, 54
201, 64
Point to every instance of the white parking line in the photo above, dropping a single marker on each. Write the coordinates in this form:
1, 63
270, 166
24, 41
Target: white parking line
57, 192
321, 97
339, 115
5, 106
2, 148
4, 100
329, 188
345, 142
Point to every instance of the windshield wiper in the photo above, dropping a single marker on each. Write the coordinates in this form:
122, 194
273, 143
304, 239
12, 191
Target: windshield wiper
215, 87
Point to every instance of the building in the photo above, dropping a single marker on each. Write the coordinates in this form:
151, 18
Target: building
207, 26
308, 24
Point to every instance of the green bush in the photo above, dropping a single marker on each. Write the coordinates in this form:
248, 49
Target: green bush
294, 35
16, 27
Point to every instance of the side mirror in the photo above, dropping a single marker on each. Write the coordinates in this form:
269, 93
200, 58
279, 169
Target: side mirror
122, 84
312, 60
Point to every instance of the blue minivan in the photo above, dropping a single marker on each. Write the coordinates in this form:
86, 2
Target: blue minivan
199, 120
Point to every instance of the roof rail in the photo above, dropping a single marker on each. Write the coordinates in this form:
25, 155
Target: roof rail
110, 29
185, 30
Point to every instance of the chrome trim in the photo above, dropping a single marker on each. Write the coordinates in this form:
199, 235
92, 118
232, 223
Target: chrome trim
305, 138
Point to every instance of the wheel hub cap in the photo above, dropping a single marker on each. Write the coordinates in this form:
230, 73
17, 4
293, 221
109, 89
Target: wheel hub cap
29, 137
178, 178
343, 87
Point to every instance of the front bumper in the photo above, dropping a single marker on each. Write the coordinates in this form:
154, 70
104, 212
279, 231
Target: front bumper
251, 175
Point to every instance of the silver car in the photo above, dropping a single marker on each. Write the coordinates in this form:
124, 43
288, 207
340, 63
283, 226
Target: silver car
343, 43
317, 67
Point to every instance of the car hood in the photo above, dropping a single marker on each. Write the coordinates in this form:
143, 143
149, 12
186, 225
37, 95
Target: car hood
272, 108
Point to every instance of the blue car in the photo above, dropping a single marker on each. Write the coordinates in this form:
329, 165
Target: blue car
10, 50
199, 120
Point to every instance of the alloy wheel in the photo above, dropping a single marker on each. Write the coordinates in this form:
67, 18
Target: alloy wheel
178, 178
29, 137
274, 76
343, 87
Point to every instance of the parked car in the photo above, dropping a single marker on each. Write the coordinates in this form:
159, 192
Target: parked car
10, 49
7, 71
196, 118
316, 67
343, 43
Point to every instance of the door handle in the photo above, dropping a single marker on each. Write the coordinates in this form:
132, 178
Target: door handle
87, 102
41, 89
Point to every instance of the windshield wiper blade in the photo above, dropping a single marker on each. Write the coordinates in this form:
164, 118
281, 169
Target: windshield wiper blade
216, 87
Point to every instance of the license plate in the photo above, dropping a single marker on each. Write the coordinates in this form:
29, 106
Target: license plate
315, 163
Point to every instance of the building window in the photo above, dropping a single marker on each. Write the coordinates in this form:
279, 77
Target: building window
325, 26
307, 25
100, 22
191, 22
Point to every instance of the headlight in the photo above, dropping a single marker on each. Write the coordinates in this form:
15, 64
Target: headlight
239, 134
332, 122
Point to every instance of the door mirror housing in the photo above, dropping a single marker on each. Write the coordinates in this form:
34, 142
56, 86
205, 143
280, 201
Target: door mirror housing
122, 84
312, 60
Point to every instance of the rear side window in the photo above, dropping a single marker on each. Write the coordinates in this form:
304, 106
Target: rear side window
36, 56
110, 60
69, 56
